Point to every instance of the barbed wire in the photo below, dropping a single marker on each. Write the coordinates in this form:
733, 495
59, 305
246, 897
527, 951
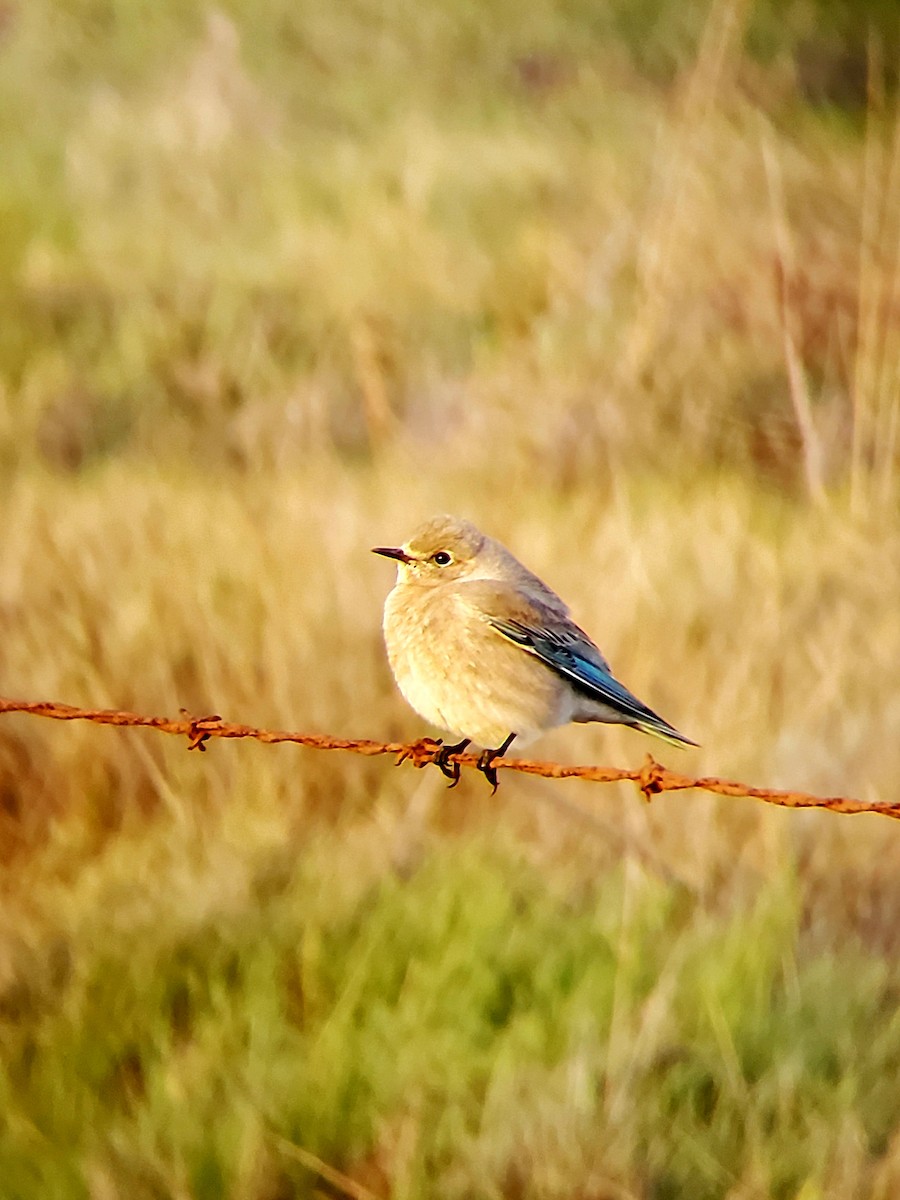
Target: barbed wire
651, 779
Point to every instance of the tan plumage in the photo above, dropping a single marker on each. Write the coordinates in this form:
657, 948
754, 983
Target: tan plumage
481, 647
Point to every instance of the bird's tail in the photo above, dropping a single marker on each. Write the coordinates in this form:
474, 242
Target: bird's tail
657, 727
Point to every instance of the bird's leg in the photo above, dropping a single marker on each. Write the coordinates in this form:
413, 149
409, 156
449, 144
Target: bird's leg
486, 759
448, 769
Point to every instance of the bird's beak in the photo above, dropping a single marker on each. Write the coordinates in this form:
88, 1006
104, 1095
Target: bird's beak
392, 552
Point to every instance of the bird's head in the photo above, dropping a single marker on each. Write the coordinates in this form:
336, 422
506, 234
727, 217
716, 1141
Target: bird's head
442, 550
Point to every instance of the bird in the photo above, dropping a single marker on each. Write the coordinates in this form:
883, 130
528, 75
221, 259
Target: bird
482, 648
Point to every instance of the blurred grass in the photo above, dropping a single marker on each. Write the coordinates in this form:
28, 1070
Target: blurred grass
619, 282
540, 1039
225, 223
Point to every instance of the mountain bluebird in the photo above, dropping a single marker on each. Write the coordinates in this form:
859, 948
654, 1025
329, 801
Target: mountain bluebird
484, 649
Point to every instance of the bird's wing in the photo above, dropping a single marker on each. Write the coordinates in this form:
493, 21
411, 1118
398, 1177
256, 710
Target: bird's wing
559, 643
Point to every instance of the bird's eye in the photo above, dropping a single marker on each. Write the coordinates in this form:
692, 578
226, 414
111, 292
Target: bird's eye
442, 558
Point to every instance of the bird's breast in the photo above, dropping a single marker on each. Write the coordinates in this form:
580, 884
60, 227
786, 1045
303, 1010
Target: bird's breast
461, 675
418, 636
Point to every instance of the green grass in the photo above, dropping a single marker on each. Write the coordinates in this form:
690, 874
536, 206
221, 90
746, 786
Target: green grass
466, 1027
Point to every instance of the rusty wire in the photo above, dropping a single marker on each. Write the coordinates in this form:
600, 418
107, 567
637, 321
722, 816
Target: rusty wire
651, 779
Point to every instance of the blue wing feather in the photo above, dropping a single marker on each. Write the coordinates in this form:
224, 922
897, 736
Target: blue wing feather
567, 654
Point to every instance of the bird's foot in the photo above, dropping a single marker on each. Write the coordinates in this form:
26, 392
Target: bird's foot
485, 766
450, 770
486, 761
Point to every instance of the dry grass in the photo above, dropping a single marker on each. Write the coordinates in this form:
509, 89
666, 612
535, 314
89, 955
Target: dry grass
636, 313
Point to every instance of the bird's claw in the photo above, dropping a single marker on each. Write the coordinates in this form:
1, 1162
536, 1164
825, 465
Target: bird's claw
450, 770
488, 770
486, 761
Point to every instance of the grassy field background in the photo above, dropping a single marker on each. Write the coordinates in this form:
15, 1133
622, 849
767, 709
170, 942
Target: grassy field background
619, 281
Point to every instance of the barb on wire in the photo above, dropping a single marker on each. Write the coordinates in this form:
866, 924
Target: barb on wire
651, 779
